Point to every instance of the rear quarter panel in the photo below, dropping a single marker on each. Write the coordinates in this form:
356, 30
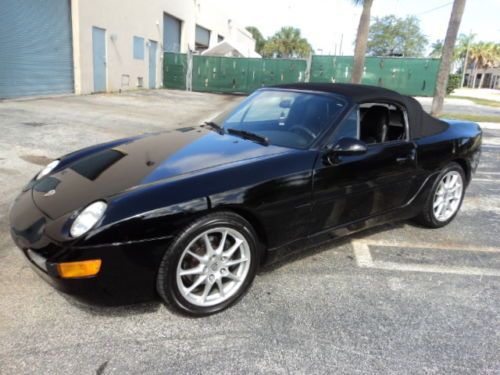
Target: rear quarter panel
461, 142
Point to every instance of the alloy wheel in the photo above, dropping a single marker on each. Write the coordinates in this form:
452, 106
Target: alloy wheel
213, 267
448, 196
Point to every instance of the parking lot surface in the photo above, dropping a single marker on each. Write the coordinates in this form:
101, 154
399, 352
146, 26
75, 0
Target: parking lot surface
396, 299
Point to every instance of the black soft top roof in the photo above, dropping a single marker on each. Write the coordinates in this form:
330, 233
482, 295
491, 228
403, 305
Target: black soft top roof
421, 124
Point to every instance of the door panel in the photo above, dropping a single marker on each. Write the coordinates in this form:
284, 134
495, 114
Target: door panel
99, 58
152, 64
356, 187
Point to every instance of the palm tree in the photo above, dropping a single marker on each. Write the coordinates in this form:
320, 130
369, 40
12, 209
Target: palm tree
437, 47
361, 40
260, 41
462, 52
287, 43
447, 55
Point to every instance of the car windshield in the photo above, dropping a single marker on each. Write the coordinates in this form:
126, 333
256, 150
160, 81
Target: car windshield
281, 117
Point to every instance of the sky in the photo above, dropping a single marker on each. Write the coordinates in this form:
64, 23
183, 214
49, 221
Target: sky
326, 22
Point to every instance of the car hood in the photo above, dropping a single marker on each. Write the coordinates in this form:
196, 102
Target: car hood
140, 161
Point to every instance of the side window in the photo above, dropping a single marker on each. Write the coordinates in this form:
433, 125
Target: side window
349, 127
381, 123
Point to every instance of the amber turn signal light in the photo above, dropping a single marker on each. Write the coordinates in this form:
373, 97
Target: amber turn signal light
84, 268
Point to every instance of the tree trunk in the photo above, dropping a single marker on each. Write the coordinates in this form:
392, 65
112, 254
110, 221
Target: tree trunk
449, 44
481, 81
474, 77
361, 42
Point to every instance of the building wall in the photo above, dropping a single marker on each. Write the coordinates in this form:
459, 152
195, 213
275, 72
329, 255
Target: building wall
491, 80
123, 20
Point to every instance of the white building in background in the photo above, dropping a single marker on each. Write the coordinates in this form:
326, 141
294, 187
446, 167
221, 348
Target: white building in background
491, 78
86, 46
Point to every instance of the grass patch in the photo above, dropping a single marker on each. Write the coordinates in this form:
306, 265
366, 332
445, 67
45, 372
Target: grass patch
486, 102
470, 117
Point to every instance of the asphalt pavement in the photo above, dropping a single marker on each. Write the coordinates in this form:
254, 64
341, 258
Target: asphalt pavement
399, 299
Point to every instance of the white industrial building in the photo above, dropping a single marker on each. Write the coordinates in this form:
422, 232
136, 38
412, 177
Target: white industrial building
491, 79
86, 46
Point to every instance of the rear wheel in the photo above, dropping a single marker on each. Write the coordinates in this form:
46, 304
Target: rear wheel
445, 197
209, 266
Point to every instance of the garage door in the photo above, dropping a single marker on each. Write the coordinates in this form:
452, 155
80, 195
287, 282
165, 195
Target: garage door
36, 56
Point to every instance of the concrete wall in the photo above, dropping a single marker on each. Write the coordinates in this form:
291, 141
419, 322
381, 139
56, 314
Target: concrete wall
123, 20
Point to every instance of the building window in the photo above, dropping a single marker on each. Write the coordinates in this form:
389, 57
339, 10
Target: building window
171, 33
202, 38
220, 38
138, 48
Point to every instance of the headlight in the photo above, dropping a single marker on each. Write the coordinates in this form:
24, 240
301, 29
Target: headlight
87, 218
49, 168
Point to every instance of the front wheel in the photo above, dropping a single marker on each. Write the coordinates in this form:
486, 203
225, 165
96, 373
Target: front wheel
209, 265
445, 197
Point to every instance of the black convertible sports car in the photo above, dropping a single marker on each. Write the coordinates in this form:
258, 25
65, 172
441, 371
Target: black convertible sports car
191, 213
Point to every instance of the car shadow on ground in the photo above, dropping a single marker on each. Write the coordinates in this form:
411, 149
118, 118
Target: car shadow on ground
153, 306
327, 244
118, 310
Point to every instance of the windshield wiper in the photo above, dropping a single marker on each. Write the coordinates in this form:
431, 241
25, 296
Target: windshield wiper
214, 126
249, 135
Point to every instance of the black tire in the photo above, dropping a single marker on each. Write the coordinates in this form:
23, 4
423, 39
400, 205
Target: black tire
427, 217
167, 281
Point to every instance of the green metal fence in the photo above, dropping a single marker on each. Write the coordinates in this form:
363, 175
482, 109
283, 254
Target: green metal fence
174, 70
409, 76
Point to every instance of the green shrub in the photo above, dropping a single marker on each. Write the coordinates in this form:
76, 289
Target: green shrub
454, 81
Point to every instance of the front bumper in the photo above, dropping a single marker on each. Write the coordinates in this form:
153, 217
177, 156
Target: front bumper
128, 272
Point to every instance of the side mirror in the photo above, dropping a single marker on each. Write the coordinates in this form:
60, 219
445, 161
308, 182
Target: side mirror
345, 147
349, 146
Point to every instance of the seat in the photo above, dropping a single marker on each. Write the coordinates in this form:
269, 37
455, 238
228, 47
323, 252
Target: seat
374, 124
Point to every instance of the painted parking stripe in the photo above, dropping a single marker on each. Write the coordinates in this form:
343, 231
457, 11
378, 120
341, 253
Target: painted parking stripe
364, 259
485, 172
452, 246
485, 180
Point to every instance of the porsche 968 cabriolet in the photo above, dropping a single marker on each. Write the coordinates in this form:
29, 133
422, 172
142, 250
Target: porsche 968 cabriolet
191, 213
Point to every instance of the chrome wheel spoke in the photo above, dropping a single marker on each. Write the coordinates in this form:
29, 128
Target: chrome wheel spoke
232, 276
196, 284
229, 253
438, 202
234, 262
222, 243
206, 291
221, 287
208, 244
192, 271
199, 258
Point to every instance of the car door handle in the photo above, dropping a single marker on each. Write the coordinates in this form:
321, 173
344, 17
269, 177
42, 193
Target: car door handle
405, 159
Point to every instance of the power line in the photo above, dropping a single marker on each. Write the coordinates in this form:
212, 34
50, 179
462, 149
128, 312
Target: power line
433, 9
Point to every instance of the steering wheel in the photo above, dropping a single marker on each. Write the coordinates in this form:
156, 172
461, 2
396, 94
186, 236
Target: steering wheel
303, 130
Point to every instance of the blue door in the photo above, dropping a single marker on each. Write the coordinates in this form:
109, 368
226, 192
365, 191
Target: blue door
99, 58
152, 64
